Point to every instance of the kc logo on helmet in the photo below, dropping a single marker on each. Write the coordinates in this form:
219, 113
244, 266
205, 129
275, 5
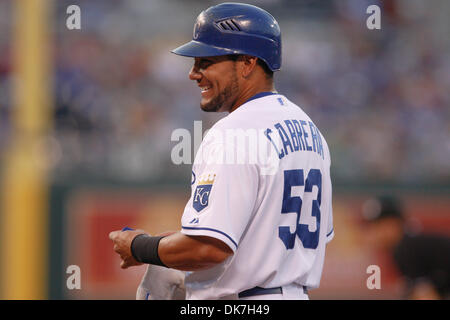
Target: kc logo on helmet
202, 192
196, 31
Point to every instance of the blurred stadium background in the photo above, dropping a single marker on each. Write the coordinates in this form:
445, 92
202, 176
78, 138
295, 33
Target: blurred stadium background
86, 118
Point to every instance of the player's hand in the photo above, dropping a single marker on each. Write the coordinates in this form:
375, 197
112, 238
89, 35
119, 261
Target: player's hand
122, 246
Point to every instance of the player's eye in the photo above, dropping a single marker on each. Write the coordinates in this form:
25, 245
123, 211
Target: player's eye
203, 64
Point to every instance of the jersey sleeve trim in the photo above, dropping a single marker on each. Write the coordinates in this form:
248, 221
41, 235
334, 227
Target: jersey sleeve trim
330, 235
225, 237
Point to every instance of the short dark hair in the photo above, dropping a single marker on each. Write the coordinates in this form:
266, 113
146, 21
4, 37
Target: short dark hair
268, 72
260, 62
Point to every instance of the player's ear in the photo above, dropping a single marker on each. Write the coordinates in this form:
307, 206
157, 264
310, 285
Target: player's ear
248, 65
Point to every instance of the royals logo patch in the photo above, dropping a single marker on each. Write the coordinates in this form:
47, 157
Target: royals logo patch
202, 192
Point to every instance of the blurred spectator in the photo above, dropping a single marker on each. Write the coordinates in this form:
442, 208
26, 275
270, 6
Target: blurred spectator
423, 259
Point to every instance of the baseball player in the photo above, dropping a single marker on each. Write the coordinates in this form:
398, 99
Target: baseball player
257, 223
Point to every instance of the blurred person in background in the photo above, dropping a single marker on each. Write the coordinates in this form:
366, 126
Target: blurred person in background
422, 259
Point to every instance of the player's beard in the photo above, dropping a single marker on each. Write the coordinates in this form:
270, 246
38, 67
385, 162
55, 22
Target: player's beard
223, 102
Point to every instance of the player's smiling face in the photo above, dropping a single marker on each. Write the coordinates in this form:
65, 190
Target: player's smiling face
218, 82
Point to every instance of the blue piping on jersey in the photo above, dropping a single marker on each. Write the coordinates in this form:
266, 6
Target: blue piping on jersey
210, 229
260, 95
329, 233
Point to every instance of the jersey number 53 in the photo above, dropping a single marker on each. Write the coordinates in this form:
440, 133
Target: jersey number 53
290, 204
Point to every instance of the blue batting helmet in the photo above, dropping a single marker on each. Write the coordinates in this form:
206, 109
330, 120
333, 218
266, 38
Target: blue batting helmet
235, 28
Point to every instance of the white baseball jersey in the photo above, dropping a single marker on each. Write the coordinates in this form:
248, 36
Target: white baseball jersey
261, 184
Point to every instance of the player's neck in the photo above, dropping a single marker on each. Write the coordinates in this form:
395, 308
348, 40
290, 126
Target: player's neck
250, 91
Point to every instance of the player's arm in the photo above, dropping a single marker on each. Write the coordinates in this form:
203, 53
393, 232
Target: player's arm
178, 251
183, 252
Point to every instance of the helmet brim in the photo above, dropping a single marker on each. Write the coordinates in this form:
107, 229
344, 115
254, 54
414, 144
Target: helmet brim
199, 49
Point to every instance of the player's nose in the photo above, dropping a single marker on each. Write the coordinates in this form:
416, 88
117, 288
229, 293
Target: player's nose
194, 74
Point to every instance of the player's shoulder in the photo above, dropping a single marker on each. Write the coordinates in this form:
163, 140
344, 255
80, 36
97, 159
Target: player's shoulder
257, 111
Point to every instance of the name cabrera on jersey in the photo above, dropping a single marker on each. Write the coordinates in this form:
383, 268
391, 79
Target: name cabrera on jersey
271, 207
